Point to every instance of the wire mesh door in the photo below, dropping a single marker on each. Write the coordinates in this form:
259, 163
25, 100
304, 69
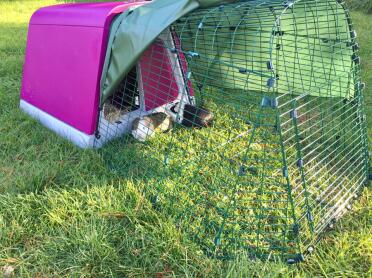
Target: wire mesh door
322, 132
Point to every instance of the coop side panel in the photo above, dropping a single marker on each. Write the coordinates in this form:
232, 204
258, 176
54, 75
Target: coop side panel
61, 73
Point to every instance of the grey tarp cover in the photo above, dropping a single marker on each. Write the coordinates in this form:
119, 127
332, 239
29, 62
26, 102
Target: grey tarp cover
134, 30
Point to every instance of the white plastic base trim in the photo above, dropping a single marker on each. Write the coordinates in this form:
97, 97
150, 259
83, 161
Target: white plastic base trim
107, 131
64, 130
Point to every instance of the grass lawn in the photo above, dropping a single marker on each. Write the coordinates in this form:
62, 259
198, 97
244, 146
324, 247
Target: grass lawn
66, 212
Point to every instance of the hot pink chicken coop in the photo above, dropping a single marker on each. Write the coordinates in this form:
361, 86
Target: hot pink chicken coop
65, 55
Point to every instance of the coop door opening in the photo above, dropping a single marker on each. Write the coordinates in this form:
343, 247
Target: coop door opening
125, 99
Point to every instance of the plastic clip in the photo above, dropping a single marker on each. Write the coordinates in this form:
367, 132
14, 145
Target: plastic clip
295, 260
356, 59
193, 54
293, 113
242, 70
188, 75
271, 82
356, 47
270, 65
288, 4
97, 135
285, 172
166, 160
309, 216
353, 34
242, 171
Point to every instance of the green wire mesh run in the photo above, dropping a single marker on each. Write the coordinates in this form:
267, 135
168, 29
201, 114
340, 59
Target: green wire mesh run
286, 152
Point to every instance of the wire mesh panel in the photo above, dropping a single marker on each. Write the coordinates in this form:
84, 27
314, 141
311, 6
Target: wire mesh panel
323, 134
246, 121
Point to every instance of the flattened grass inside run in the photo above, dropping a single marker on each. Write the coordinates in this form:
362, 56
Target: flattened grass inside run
65, 211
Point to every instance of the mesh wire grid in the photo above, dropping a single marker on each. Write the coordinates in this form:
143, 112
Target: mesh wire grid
286, 152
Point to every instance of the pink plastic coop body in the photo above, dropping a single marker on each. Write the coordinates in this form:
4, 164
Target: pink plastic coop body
65, 53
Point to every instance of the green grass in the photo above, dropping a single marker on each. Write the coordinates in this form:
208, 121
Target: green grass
362, 5
67, 212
